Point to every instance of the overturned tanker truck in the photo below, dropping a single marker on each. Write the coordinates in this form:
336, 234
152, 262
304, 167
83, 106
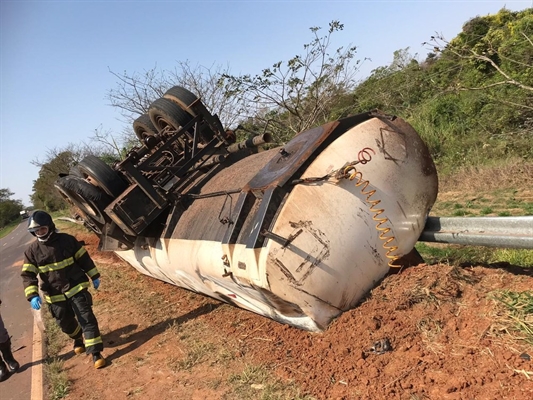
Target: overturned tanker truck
298, 233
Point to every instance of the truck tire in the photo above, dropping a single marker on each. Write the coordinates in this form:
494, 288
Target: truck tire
89, 199
182, 97
102, 175
143, 127
75, 171
164, 112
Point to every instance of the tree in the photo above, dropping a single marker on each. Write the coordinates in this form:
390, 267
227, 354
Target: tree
495, 54
396, 89
9, 208
111, 148
58, 161
136, 91
302, 92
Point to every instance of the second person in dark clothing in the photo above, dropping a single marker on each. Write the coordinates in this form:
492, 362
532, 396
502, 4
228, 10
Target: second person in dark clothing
10, 365
65, 268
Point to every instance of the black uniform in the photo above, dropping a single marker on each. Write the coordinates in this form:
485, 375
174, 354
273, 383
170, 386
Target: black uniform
64, 267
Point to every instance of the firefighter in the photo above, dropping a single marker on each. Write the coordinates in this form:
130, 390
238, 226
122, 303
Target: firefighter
64, 267
7, 355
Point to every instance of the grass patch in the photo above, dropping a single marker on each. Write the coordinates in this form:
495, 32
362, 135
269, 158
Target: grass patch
451, 254
495, 203
504, 214
489, 190
55, 376
497, 191
257, 382
6, 230
457, 255
197, 352
517, 316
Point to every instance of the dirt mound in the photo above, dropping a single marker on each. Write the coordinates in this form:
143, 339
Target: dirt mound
429, 332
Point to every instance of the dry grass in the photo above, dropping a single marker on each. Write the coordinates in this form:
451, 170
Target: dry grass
516, 173
254, 379
55, 377
513, 316
430, 330
436, 289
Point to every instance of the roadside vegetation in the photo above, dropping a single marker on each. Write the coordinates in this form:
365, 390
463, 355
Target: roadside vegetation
56, 379
483, 192
10, 210
4, 231
470, 98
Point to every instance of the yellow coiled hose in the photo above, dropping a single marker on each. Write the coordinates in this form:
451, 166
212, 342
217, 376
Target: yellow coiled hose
351, 173
348, 171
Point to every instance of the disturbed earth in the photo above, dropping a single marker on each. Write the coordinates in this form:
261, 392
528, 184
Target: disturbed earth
425, 332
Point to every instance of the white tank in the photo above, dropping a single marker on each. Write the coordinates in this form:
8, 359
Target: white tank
301, 233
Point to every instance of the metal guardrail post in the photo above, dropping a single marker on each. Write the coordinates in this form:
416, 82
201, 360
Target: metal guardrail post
505, 232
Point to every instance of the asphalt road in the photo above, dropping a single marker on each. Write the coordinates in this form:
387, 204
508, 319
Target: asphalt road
18, 318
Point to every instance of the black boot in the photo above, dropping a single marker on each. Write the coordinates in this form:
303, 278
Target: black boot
12, 364
79, 347
4, 373
98, 360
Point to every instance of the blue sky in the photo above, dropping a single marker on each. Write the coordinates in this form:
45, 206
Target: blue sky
55, 56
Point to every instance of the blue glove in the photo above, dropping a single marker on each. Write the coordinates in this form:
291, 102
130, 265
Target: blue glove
96, 283
36, 303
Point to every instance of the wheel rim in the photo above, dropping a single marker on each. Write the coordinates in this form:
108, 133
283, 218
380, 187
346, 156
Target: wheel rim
92, 208
101, 175
144, 128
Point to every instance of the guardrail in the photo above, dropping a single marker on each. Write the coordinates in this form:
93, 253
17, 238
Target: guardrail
505, 232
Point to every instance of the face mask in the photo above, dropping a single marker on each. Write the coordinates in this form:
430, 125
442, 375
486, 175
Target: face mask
41, 231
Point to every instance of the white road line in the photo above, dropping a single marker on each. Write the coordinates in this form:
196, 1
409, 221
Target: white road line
37, 362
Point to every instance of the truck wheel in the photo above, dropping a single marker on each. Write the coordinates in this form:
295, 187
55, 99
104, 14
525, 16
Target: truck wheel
165, 113
143, 127
75, 171
182, 97
89, 199
93, 225
102, 175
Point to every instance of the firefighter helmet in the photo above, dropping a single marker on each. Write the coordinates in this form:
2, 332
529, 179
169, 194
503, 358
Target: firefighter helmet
41, 225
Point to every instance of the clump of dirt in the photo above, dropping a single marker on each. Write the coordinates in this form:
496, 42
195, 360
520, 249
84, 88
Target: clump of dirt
428, 332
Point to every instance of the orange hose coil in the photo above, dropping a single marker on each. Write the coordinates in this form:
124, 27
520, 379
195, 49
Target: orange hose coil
351, 173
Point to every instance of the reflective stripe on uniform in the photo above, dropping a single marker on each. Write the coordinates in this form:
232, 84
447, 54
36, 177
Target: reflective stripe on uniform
55, 299
67, 295
31, 289
75, 333
92, 272
92, 342
56, 266
30, 268
77, 289
79, 253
